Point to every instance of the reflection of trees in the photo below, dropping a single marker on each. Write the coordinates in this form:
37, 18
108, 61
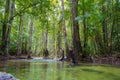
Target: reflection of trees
38, 71
60, 72
58, 68
44, 68
21, 69
17, 68
3, 65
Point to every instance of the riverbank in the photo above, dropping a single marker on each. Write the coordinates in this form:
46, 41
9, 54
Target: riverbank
111, 60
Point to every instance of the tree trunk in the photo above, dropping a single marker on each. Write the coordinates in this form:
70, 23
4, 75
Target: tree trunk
5, 28
45, 40
53, 40
19, 46
30, 38
115, 38
84, 24
59, 41
104, 29
77, 48
84, 55
9, 27
65, 33
117, 22
110, 24
36, 45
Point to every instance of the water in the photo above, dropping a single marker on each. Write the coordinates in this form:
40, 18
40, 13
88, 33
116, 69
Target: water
52, 70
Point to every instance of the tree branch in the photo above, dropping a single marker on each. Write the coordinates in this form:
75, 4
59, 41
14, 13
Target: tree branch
18, 13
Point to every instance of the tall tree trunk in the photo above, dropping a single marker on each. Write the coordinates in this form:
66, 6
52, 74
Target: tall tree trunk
110, 25
53, 39
65, 33
84, 55
84, 24
45, 41
19, 45
115, 38
77, 48
117, 22
104, 28
5, 28
9, 28
59, 41
30, 38
36, 45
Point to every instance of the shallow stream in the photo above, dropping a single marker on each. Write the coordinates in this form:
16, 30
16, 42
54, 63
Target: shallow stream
41, 69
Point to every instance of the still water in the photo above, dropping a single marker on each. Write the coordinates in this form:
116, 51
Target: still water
53, 70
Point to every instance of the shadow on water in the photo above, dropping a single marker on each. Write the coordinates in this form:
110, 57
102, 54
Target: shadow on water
91, 70
106, 74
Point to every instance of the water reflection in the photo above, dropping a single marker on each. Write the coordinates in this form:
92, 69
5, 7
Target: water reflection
3, 66
53, 70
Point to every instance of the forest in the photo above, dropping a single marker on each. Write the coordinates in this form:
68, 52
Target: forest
59, 39
72, 29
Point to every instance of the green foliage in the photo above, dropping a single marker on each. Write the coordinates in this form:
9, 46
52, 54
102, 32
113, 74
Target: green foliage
47, 17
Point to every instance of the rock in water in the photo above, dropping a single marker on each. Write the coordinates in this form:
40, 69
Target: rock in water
7, 76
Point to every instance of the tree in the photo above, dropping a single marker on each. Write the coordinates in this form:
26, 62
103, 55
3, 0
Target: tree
30, 37
4, 46
9, 27
77, 48
20, 30
104, 28
64, 28
84, 24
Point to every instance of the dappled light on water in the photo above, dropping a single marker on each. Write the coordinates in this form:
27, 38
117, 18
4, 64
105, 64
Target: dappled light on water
42, 69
